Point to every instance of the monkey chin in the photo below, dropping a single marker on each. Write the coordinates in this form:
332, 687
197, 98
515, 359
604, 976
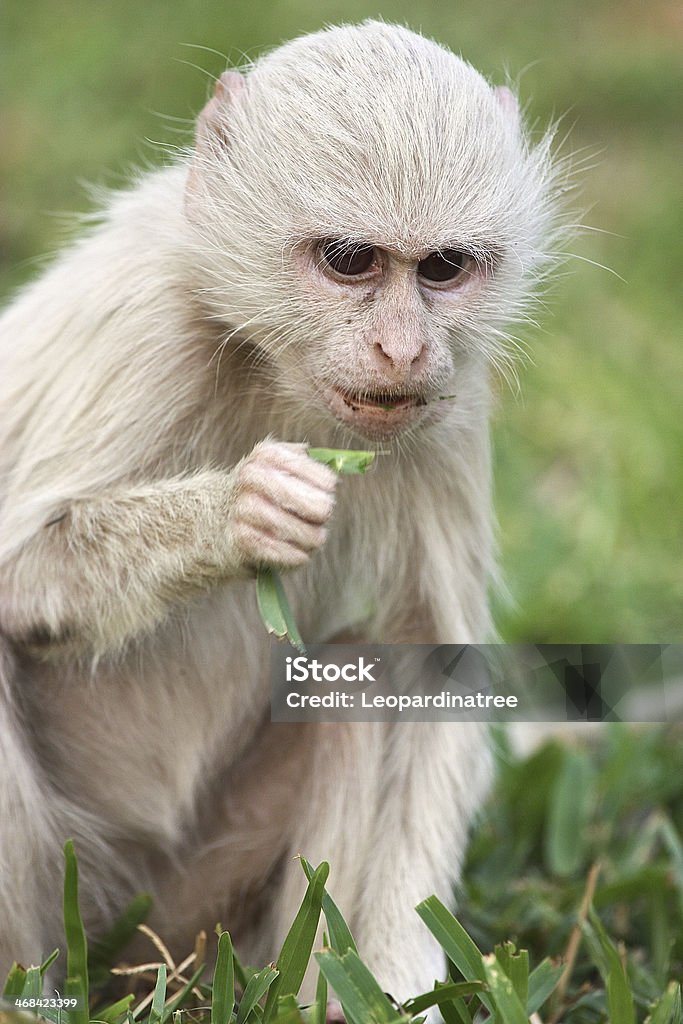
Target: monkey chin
377, 417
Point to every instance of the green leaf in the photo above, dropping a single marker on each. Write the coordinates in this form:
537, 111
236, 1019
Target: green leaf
296, 949
48, 961
223, 990
288, 1011
171, 1009
111, 1014
33, 989
503, 992
571, 802
257, 986
516, 966
456, 1012
272, 599
275, 608
543, 981
15, 981
242, 974
442, 994
33, 985
320, 1015
455, 942
673, 843
669, 1008
76, 983
159, 998
343, 460
341, 938
619, 995
362, 999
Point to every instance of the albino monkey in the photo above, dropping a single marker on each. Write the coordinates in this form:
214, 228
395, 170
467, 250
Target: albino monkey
360, 218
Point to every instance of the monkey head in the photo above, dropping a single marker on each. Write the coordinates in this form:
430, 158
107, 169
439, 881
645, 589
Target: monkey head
371, 215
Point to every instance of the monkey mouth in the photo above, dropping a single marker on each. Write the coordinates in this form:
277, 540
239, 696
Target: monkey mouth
376, 414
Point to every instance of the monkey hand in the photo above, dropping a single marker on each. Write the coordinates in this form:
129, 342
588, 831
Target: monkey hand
280, 505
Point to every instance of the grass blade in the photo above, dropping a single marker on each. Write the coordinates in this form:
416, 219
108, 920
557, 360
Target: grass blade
362, 999
320, 999
111, 1014
15, 981
669, 1008
76, 983
223, 990
288, 1011
242, 974
456, 1012
156, 1010
503, 992
341, 938
568, 814
181, 996
543, 981
443, 994
619, 995
455, 942
33, 985
48, 961
257, 986
298, 945
516, 966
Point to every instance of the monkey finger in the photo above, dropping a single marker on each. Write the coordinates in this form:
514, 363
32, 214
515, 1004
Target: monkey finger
290, 493
259, 512
259, 548
292, 459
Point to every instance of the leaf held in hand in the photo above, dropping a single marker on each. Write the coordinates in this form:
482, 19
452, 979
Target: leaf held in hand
270, 593
343, 460
275, 609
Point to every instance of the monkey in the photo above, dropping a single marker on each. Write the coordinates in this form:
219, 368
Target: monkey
361, 218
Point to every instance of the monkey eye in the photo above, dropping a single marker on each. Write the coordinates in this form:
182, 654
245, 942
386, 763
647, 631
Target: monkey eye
347, 260
446, 265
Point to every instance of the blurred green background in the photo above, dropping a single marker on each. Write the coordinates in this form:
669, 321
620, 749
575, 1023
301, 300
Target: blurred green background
589, 453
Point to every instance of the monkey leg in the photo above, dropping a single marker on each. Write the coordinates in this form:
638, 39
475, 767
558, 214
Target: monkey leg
389, 805
333, 820
436, 776
29, 853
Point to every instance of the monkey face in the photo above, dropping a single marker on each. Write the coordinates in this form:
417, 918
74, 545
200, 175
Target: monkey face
386, 359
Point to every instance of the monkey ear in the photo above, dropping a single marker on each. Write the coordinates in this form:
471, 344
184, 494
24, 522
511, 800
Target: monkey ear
508, 101
212, 123
213, 131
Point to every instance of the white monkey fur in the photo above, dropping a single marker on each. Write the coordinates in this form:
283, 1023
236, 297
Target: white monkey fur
188, 327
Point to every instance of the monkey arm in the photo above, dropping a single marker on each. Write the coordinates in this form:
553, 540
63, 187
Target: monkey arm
111, 567
106, 569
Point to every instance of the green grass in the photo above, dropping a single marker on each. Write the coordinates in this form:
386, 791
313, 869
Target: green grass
588, 457
578, 862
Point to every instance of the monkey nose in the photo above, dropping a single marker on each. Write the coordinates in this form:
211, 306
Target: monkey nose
398, 360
